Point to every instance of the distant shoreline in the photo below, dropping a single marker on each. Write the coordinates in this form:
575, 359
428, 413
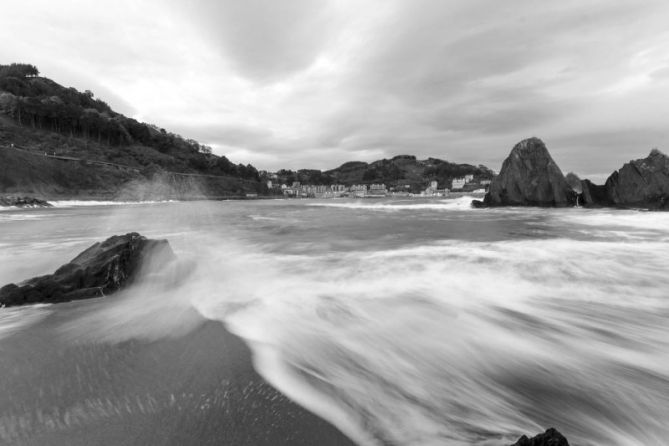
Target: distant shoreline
105, 200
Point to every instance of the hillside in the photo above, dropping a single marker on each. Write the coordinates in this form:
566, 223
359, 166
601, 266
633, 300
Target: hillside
41, 117
403, 172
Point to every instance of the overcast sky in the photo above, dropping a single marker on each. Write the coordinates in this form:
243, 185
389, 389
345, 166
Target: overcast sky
315, 83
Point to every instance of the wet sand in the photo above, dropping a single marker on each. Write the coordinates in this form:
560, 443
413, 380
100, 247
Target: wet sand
193, 388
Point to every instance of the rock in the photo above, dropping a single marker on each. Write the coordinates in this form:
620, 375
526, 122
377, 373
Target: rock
641, 183
593, 194
23, 202
98, 271
530, 177
574, 182
549, 438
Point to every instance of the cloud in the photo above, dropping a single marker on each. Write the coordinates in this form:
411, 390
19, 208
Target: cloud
299, 83
264, 40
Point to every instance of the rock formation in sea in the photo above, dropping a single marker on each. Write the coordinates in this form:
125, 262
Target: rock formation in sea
529, 177
641, 183
102, 269
549, 438
574, 182
23, 202
593, 194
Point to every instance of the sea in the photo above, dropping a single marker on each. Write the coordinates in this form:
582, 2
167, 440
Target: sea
400, 321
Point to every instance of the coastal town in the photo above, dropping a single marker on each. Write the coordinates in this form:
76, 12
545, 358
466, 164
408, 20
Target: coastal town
465, 184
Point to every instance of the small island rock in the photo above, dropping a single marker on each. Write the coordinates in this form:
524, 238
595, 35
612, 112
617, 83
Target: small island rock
529, 177
549, 438
99, 270
641, 183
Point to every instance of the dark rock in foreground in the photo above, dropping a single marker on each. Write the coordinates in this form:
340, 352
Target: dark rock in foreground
529, 177
24, 202
100, 270
641, 183
549, 438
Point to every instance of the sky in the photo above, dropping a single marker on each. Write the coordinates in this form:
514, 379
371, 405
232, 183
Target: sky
316, 83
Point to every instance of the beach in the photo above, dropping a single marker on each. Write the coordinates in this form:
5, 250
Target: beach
195, 387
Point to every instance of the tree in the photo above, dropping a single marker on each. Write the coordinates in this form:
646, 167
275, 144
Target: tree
19, 70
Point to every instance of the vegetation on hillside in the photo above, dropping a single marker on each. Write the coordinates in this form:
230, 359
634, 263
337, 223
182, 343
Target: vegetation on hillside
44, 117
401, 172
46, 107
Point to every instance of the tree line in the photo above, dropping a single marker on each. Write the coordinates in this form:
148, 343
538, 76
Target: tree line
43, 104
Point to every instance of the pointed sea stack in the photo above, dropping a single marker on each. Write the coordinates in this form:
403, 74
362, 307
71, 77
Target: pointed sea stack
549, 438
529, 177
641, 183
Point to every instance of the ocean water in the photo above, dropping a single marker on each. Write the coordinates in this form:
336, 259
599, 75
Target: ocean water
402, 322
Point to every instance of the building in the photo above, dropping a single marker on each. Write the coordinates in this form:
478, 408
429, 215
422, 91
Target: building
378, 189
358, 190
458, 183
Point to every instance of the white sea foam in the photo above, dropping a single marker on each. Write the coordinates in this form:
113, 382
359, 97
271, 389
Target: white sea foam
618, 218
16, 318
460, 203
21, 216
368, 327
77, 203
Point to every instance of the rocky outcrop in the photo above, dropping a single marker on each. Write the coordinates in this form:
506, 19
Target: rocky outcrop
23, 202
98, 271
549, 438
641, 183
593, 194
529, 177
574, 182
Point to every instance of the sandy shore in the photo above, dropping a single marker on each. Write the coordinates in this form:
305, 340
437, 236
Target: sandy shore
195, 388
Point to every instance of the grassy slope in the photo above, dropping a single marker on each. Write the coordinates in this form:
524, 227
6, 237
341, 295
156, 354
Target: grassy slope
33, 174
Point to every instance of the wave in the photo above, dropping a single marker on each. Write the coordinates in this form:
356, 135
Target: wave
617, 218
18, 318
22, 214
460, 203
78, 203
437, 344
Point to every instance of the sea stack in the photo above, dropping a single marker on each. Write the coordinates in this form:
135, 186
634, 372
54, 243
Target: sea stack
549, 438
529, 177
100, 270
641, 183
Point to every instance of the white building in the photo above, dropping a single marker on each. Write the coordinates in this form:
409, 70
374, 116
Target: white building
458, 183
